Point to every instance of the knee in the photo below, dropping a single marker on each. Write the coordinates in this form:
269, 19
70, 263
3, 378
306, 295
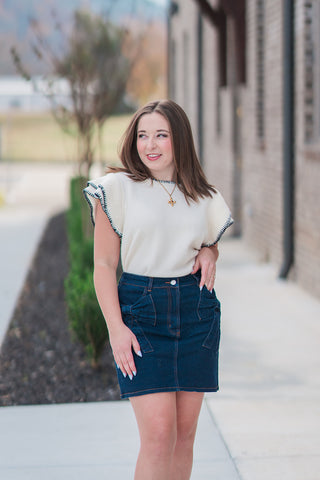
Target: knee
160, 438
185, 435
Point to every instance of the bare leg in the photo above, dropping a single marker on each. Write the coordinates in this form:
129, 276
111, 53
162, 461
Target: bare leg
157, 423
188, 409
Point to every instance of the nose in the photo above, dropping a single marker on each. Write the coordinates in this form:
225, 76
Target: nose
151, 142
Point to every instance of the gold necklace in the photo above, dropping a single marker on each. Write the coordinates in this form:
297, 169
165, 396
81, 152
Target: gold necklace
171, 201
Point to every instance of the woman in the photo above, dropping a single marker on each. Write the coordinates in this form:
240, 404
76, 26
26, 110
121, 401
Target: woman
160, 212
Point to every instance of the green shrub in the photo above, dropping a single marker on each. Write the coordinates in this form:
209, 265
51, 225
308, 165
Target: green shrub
84, 314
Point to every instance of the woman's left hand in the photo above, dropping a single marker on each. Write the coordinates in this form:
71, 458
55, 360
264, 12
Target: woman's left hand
206, 261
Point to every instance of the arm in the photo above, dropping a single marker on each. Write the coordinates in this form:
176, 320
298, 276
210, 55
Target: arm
106, 258
206, 261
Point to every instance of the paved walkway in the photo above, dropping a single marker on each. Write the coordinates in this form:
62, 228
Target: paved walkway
91, 441
32, 193
268, 410
264, 424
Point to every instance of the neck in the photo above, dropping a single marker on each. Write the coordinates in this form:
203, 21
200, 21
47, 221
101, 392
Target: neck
164, 180
167, 175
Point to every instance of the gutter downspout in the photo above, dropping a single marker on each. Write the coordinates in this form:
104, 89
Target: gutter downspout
288, 137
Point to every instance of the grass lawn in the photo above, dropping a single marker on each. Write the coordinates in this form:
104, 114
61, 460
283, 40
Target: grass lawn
37, 137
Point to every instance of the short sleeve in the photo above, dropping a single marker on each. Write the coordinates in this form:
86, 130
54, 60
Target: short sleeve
218, 217
109, 192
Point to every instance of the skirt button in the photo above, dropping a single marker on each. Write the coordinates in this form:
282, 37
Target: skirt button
173, 282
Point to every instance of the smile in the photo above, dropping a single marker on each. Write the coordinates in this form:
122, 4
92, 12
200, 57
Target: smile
153, 156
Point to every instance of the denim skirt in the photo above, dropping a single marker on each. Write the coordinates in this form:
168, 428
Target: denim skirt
178, 329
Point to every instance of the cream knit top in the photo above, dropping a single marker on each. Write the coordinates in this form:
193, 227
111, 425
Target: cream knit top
157, 239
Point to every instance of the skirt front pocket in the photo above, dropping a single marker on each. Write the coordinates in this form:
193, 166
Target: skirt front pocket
209, 312
139, 316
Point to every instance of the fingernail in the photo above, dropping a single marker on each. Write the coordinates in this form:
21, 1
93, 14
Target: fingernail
130, 376
200, 288
210, 291
117, 365
124, 374
134, 373
139, 353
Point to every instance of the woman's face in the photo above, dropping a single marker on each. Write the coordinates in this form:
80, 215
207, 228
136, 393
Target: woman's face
154, 145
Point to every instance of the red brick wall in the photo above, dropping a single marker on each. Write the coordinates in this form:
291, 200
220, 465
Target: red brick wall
262, 161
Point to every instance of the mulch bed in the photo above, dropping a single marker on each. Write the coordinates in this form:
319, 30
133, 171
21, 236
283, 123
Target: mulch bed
40, 361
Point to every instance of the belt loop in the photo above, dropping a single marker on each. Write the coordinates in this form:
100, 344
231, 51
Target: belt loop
150, 282
148, 286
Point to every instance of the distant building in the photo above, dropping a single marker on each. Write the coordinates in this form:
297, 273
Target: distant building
20, 95
248, 75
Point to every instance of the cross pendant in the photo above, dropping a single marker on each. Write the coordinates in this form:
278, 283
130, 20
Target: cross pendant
171, 202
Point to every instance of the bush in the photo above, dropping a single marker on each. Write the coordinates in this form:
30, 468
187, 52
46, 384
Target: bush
84, 314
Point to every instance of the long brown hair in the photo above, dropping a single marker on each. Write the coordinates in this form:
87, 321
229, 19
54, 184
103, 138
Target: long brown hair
188, 172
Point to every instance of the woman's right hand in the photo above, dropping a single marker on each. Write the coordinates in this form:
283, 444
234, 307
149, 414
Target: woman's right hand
122, 341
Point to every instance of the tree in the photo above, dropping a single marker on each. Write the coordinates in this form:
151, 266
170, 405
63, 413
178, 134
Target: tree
96, 70
148, 77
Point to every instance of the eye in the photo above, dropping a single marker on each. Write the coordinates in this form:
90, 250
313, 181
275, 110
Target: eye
141, 135
163, 135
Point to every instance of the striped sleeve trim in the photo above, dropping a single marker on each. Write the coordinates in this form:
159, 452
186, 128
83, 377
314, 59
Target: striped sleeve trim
93, 191
227, 224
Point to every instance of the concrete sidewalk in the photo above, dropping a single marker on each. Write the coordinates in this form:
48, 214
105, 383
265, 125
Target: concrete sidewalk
92, 441
268, 408
264, 424
33, 193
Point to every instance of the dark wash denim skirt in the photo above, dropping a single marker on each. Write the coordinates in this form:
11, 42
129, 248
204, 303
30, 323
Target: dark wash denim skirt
178, 329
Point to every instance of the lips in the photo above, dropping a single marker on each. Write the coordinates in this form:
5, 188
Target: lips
153, 156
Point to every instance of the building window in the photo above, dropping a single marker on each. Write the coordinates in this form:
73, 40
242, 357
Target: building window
260, 67
312, 71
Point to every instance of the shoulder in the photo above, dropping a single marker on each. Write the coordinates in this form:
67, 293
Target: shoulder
215, 198
109, 181
111, 177
108, 187
216, 206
